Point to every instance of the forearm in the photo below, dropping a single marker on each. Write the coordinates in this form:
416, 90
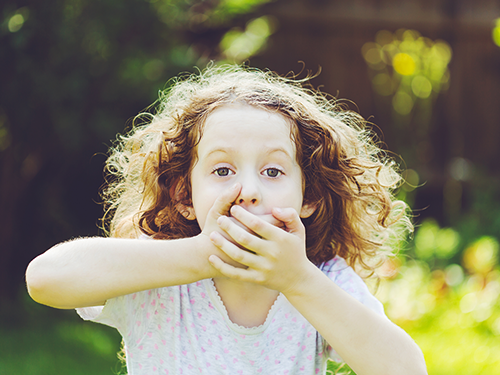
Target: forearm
88, 271
368, 342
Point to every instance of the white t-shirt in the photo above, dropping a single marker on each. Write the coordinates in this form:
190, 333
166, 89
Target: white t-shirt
186, 330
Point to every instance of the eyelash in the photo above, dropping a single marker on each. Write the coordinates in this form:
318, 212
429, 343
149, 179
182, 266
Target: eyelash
216, 172
280, 172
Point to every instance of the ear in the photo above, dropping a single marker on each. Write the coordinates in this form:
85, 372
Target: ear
186, 211
178, 194
307, 210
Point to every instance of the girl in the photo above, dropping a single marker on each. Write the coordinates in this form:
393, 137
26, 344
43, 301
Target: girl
237, 214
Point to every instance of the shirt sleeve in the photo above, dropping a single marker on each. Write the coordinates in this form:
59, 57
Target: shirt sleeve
125, 313
115, 311
348, 280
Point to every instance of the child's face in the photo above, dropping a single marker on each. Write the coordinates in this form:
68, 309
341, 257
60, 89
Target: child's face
252, 146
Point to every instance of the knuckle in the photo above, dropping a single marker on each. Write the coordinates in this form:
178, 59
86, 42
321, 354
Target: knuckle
267, 268
236, 276
239, 255
260, 279
255, 224
243, 238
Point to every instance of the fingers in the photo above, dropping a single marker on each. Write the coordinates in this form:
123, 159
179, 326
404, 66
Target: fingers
238, 233
224, 202
263, 226
226, 269
291, 220
240, 256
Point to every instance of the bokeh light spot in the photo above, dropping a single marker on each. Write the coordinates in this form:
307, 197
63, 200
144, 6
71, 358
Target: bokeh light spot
482, 255
461, 169
433, 241
402, 103
496, 32
454, 275
373, 56
238, 45
15, 23
404, 64
468, 303
421, 87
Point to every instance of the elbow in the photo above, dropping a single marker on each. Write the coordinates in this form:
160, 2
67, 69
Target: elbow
41, 282
36, 281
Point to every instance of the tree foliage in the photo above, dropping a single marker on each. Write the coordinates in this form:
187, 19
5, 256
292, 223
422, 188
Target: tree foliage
73, 72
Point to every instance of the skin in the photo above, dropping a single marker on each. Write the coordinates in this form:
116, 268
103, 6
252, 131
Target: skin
247, 193
274, 259
252, 148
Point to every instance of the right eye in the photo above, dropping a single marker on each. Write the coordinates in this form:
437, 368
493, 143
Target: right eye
222, 172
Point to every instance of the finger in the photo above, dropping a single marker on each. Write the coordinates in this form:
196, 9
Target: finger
228, 270
261, 227
224, 202
267, 218
239, 255
272, 220
240, 234
290, 218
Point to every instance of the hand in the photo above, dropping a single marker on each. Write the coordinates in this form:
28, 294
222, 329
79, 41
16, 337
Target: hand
274, 258
221, 208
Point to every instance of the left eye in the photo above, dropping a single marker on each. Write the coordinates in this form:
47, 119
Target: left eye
222, 172
272, 172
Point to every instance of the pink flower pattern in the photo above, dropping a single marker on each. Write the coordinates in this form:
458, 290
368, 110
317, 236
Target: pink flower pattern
186, 330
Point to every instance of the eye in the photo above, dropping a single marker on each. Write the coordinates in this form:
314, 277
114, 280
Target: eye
273, 172
222, 172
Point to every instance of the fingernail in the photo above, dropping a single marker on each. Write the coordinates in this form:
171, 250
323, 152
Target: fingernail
278, 210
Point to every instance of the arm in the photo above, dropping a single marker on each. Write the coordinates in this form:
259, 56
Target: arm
89, 271
369, 343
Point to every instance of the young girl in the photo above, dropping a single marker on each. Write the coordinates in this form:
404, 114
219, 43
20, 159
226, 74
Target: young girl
238, 213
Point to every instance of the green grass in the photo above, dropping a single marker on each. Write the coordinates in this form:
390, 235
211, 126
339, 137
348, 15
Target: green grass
41, 341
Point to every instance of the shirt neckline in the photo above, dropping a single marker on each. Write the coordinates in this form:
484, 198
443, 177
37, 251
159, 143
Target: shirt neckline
219, 305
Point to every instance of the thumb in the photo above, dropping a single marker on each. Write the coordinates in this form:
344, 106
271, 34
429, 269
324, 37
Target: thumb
290, 218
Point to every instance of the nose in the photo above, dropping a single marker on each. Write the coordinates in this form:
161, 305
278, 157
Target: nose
250, 194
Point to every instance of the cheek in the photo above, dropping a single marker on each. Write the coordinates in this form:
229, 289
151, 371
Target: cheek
203, 200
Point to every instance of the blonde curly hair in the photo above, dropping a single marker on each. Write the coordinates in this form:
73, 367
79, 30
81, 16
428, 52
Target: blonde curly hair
346, 175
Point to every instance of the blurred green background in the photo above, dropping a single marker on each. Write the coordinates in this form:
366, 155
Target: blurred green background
73, 73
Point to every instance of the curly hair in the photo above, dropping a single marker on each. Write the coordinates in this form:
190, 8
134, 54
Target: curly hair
346, 175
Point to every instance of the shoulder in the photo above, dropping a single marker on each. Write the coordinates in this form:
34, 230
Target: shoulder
343, 275
348, 280
336, 267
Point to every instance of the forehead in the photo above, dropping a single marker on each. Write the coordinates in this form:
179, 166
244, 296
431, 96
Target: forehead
234, 125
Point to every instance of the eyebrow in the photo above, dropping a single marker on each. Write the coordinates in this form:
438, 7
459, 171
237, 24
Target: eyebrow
230, 150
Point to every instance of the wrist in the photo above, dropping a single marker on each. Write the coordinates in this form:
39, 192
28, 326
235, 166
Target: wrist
202, 249
304, 282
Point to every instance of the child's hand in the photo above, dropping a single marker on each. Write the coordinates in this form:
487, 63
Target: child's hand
274, 258
221, 208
